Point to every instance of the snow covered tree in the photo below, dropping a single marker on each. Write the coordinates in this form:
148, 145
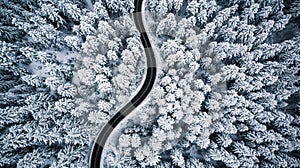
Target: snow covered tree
42, 113
167, 26
231, 84
118, 8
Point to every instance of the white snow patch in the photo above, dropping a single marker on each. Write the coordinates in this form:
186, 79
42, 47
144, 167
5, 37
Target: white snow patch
65, 55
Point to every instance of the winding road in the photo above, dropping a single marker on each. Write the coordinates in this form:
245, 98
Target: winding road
102, 137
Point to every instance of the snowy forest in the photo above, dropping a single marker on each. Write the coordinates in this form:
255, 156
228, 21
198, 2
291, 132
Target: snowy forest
227, 92
65, 66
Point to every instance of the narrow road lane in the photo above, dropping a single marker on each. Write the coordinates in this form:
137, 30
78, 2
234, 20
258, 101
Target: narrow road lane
97, 149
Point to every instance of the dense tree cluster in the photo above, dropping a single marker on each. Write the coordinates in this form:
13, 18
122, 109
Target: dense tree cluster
109, 70
227, 93
56, 57
228, 90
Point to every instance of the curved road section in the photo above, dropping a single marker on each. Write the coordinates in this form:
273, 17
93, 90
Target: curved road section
97, 149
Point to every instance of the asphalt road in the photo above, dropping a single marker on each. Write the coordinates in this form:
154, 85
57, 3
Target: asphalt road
97, 149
